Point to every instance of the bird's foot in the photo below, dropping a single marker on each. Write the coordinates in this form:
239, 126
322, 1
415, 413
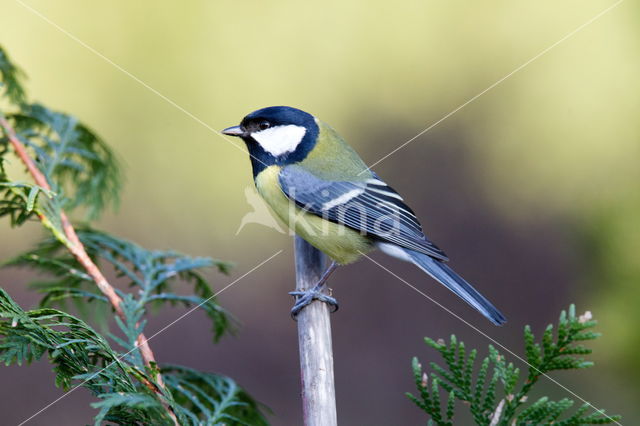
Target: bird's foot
304, 298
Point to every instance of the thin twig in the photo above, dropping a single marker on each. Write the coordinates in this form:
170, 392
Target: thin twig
78, 250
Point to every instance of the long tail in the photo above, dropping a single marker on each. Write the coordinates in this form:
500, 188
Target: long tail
445, 275
454, 282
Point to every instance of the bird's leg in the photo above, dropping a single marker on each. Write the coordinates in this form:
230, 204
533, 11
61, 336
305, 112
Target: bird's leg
305, 297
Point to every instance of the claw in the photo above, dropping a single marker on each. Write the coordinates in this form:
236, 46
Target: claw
304, 298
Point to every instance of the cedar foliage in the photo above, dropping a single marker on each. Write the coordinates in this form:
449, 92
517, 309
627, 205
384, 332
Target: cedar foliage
496, 393
84, 174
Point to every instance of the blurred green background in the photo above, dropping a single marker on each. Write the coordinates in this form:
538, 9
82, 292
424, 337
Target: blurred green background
532, 189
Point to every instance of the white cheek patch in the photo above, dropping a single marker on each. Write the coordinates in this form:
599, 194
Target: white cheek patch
280, 140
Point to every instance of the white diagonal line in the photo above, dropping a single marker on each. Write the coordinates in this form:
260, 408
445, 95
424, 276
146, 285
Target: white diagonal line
149, 339
128, 74
599, 411
567, 36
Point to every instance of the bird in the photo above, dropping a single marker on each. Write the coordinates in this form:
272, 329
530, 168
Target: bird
321, 189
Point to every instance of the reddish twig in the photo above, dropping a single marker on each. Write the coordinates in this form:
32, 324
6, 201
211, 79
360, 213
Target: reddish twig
78, 250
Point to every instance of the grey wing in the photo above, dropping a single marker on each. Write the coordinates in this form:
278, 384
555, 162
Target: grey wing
370, 206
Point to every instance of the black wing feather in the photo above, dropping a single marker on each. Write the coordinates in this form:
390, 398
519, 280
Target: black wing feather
371, 207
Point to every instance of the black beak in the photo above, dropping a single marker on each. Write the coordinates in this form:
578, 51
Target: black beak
234, 131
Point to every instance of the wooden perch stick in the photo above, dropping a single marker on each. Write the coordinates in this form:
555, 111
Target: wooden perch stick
314, 341
78, 250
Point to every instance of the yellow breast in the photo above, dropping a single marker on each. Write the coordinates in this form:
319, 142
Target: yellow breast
342, 244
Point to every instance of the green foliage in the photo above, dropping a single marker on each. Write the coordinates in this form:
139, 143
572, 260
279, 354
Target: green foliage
83, 172
130, 408
81, 168
21, 201
495, 392
10, 79
82, 357
18, 199
210, 398
155, 273
74, 348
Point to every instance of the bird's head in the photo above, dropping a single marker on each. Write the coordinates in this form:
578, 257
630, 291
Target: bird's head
276, 135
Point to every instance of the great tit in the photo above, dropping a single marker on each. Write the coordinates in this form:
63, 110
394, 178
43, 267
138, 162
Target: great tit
319, 187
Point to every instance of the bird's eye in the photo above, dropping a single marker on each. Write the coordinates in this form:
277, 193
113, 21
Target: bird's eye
264, 125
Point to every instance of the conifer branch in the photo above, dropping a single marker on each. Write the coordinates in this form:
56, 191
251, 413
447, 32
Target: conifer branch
73, 167
77, 249
490, 391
